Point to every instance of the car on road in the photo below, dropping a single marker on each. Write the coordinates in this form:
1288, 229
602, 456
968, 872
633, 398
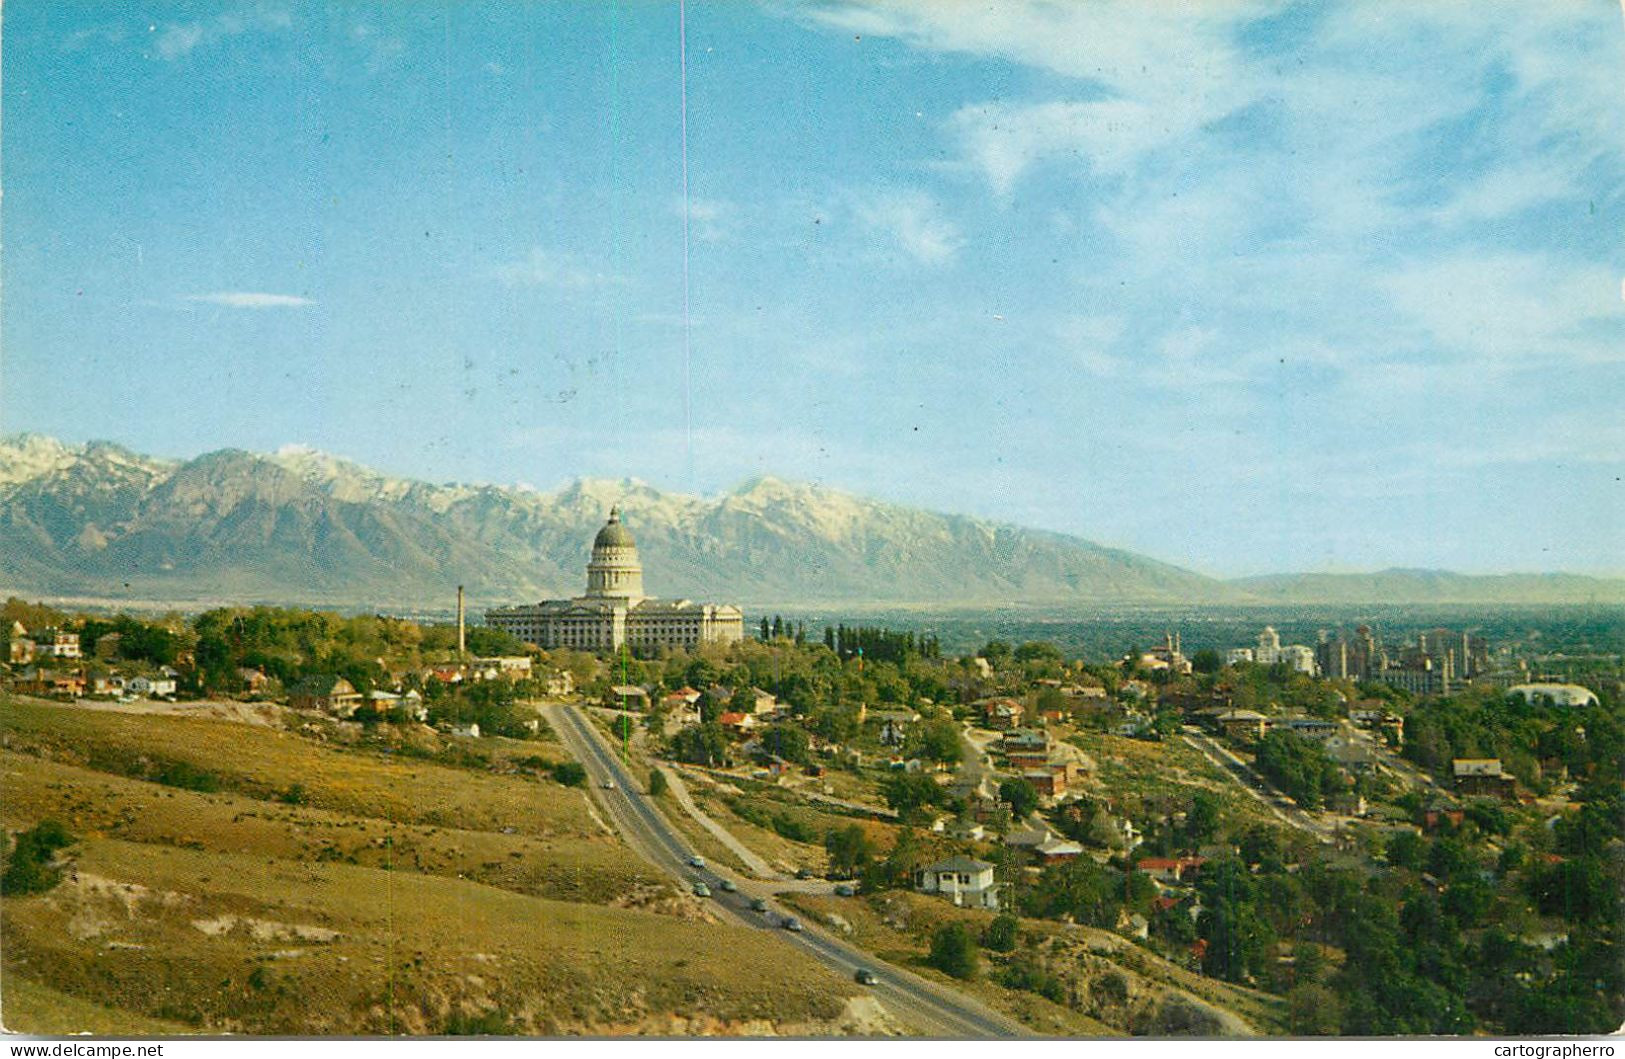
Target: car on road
804, 873
758, 904
696, 861
608, 785
845, 890
864, 976
701, 890
792, 924
728, 886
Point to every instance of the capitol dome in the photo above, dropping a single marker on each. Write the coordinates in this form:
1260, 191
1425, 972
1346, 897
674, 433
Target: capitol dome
613, 535
614, 572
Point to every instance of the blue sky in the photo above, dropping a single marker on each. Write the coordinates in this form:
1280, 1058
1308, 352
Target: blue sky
1245, 286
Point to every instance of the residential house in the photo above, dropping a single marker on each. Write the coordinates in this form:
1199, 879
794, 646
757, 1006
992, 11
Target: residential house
507, 667
410, 703
21, 650
1170, 870
1314, 728
627, 697
558, 683
738, 722
1025, 760
329, 694
1048, 782
762, 702
58, 643
1001, 715
965, 880
1242, 725
159, 685
1044, 844
46, 682
1025, 739
253, 680
1483, 776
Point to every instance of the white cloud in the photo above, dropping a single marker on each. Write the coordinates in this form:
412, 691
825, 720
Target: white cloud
710, 220
546, 268
913, 219
176, 40
1512, 308
251, 300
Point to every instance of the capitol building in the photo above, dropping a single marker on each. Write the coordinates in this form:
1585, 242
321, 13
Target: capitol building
615, 612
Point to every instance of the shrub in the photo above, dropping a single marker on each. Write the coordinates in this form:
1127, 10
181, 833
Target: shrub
570, 773
187, 776
953, 951
657, 783
1001, 934
28, 870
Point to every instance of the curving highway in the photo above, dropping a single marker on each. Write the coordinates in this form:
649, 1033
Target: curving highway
928, 1007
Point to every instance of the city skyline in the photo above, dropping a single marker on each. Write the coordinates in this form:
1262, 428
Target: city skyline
1249, 289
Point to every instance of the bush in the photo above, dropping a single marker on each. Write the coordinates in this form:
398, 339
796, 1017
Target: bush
1001, 934
28, 870
953, 951
294, 795
570, 773
187, 776
657, 783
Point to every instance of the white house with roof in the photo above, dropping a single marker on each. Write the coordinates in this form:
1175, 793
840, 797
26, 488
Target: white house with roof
962, 879
965, 880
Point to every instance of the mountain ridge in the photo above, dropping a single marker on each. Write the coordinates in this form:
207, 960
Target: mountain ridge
303, 526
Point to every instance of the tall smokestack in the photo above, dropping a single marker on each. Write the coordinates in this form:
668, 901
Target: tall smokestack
462, 642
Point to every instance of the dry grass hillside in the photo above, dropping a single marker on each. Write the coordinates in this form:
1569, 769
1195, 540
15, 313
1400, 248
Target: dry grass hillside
276, 884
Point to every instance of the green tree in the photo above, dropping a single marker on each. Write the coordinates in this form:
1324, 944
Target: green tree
28, 868
1020, 795
657, 783
953, 951
1002, 934
570, 773
1313, 1011
850, 850
701, 744
909, 792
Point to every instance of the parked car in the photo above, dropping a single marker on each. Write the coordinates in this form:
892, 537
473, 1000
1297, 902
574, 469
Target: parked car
758, 904
728, 886
865, 977
845, 890
608, 785
696, 861
791, 923
701, 890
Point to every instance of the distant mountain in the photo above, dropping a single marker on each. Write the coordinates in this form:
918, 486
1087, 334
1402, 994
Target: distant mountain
304, 526
301, 526
1433, 586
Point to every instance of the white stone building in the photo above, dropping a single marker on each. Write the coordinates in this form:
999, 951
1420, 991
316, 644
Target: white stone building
615, 613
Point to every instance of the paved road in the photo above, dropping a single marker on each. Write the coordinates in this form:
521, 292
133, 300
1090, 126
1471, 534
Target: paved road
931, 1008
1256, 784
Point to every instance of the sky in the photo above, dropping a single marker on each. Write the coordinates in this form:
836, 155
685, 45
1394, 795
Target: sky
1246, 286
